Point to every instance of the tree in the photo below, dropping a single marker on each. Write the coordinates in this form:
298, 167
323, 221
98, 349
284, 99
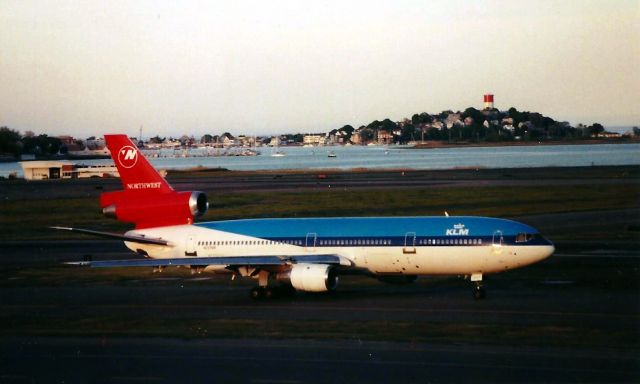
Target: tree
41, 145
156, 140
388, 125
473, 113
366, 134
423, 118
434, 134
374, 124
596, 129
408, 133
10, 141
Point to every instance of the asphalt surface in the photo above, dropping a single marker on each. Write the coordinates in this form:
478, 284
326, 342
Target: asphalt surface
573, 318
554, 299
298, 361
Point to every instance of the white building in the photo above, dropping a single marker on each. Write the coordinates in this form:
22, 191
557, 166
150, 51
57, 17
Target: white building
44, 170
313, 139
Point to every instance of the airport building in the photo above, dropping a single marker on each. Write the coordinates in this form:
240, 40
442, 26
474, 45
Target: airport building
44, 170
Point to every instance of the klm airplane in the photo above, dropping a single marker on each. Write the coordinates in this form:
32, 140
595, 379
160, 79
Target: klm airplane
304, 254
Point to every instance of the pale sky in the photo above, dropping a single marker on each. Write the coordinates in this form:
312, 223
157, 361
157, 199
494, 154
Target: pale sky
264, 67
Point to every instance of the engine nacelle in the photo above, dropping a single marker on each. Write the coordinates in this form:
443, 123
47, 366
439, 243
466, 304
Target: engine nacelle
154, 210
311, 277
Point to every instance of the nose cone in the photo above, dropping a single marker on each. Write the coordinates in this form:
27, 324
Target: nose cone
550, 249
547, 248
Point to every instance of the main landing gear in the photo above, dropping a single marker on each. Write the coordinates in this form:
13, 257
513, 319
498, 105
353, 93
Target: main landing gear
263, 291
259, 293
479, 292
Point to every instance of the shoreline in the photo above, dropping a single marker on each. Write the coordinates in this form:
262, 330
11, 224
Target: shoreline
199, 171
441, 144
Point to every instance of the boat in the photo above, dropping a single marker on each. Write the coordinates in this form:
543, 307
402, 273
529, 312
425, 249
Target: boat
277, 152
332, 154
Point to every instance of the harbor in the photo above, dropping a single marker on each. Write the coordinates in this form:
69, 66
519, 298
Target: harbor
388, 157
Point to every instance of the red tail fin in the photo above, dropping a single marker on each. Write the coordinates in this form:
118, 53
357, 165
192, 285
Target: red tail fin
147, 200
135, 171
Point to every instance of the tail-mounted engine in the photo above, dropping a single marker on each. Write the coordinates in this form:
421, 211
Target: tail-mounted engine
154, 210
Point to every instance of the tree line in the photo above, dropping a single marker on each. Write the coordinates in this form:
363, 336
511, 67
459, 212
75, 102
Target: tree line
12, 143
491, 125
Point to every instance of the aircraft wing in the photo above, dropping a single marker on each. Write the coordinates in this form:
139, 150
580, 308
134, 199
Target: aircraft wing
109, 235
224, 260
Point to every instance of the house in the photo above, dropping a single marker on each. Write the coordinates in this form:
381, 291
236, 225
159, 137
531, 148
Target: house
385, 137
453, 119
313, 139
607, 135
356, 138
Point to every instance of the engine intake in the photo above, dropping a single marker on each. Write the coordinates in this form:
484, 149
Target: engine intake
198, 203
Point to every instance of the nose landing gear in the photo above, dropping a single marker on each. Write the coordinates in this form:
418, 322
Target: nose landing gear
479, 292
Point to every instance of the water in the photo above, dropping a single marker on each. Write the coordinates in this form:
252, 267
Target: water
380, 157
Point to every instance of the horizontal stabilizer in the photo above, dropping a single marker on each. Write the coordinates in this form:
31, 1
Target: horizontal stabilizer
109, 235
224, 260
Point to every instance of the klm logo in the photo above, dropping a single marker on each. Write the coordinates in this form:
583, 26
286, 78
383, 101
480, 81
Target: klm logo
458, 230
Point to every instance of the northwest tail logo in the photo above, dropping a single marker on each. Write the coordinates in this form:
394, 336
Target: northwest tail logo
128, 156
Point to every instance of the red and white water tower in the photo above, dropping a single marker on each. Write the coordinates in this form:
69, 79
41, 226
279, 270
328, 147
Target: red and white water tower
488, 101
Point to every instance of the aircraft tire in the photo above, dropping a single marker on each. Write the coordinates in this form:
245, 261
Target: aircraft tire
257, 293
479, 293
268, 293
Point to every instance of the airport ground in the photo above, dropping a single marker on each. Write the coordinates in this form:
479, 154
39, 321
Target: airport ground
574, 317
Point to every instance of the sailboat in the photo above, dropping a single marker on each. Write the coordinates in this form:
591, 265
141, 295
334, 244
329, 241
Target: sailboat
277, 153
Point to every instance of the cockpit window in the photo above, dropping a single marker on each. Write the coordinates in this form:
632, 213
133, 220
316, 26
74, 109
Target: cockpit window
524, 237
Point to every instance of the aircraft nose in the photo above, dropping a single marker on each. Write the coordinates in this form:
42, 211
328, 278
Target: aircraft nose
550, 250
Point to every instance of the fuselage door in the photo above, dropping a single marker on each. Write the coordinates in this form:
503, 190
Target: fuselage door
409, 243
497, 242
190, 246
310, 241
498, 239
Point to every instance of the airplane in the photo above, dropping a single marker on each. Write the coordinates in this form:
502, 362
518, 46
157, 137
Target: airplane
286, 255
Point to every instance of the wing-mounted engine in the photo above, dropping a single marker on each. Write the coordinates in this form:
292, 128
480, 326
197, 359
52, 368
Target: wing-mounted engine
147, 210
311, 277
